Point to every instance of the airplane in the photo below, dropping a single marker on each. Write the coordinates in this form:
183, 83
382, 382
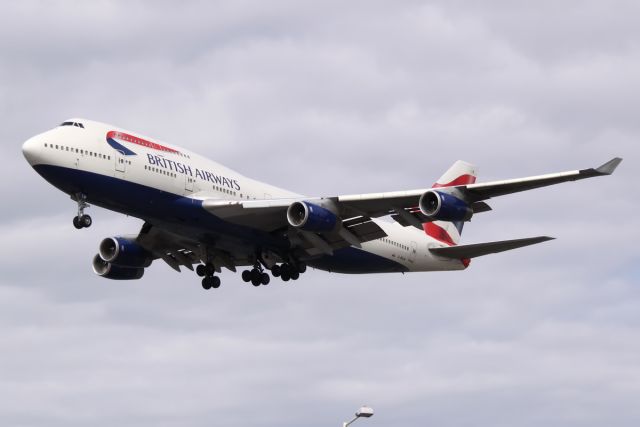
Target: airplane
203, 216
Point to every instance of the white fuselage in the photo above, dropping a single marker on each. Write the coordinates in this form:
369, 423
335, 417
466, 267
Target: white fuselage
150, 168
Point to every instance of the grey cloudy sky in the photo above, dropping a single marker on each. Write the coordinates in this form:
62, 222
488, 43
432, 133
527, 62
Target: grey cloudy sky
325, 98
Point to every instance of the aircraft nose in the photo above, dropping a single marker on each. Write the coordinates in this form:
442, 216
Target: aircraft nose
30, 149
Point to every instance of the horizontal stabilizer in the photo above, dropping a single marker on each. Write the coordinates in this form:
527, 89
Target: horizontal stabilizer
480, 249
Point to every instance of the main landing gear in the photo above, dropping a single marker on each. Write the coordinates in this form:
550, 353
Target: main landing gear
206, 271
288, 271
81, 220
256, 276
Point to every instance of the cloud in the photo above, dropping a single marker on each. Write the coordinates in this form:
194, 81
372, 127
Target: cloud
330, 98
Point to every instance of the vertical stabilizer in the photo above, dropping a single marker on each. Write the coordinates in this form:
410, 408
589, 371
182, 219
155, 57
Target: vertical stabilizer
460, 173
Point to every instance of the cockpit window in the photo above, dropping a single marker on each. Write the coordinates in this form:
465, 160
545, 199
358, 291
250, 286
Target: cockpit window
76, 124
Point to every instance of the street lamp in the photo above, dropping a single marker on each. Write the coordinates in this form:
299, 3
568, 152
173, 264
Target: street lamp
363, 412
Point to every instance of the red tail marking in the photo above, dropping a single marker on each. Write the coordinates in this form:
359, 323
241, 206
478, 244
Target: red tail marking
438, 233
139, 141
461, 180
465, 262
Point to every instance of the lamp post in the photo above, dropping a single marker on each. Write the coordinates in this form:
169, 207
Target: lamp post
363, 412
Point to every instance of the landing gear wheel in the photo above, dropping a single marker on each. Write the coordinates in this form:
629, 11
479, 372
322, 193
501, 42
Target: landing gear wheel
256, 275
209, 269
76, 223
294, 275
215, 282
275, 270
285, 276
207, 282
200, 270
246, 276
265, 279
255, 282
85, 221
302, 267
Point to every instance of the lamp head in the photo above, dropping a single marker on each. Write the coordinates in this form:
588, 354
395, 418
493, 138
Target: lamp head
364, 412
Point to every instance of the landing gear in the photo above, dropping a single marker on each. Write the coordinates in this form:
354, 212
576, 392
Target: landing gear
206, 271
256, 276
81, 220
288, 271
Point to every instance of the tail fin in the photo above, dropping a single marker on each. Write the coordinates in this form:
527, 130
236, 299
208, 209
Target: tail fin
460, 173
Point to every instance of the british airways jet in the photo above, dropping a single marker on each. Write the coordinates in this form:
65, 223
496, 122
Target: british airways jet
201, 215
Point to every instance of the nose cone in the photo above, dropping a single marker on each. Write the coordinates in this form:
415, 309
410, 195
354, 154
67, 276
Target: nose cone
31, 150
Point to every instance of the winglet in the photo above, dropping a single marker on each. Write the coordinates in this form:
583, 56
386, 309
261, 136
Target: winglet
609, 167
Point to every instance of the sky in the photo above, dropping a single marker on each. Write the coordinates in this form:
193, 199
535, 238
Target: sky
327, 98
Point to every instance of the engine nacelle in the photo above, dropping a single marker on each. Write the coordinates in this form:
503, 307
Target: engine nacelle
309, 217
110, 271
441, 206
124, 253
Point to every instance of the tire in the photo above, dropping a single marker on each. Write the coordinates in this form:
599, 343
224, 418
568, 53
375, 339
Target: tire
255, 282
209, 269
302, 267
285, 276
275, 270
255, 275
285, 269
246, 276
265, 279
206, 283
215, 282
200, 270
86, 221
295, 275
76, 223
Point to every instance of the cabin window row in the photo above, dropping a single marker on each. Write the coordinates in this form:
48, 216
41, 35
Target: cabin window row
161, 171
77, 150
396, 244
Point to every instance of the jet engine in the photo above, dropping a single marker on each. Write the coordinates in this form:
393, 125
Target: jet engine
110, 271
441, 206
310, 217
124, 253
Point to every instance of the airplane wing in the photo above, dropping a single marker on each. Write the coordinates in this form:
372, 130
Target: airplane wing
380, 204
355, 212
178, 249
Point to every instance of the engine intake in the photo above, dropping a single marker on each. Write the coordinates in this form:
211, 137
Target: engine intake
441, 206
310, 217
110, 271
124, 253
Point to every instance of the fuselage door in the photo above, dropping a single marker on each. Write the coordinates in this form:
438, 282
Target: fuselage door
188, 183
413, 251
121, 164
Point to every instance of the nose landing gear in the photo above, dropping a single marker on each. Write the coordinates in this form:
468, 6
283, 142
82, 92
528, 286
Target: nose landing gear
81, 220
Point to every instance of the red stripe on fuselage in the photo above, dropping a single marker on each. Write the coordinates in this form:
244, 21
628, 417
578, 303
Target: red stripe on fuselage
461, 180
139, 141
438, 233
